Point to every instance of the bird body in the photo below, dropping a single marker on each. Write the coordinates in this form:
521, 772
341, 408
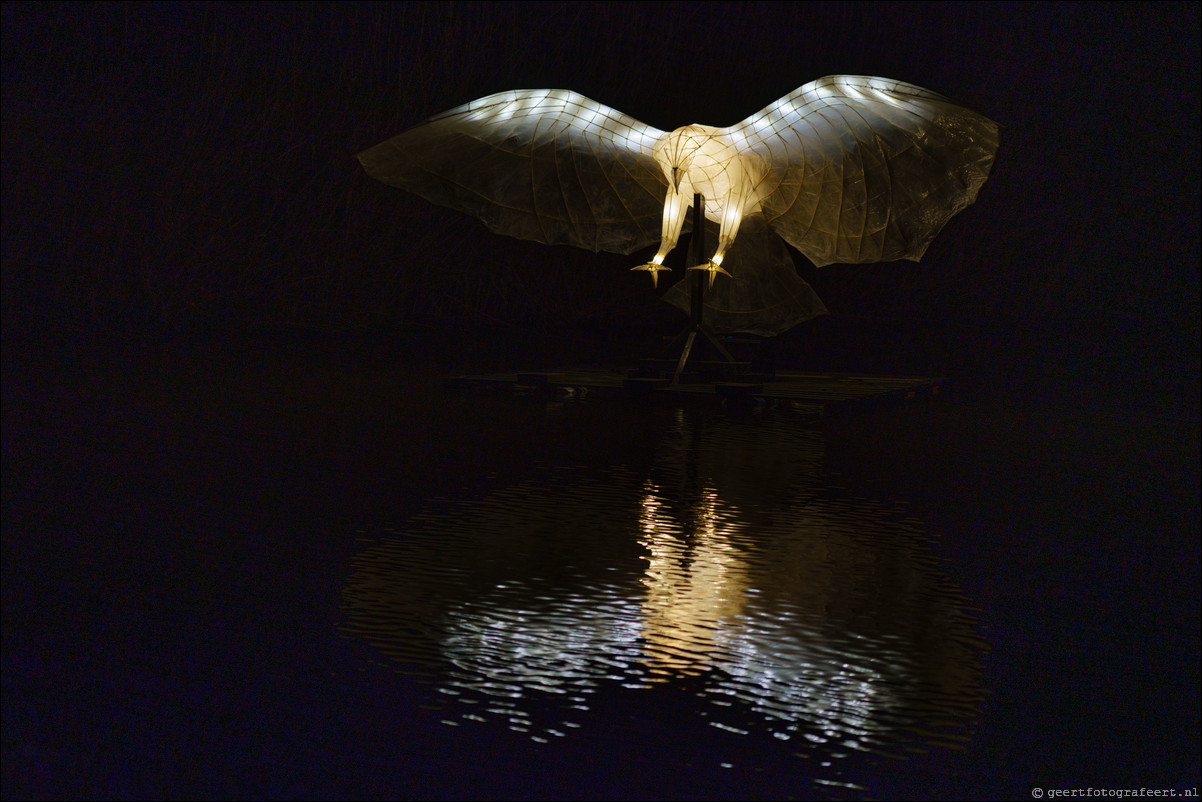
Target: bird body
703, 160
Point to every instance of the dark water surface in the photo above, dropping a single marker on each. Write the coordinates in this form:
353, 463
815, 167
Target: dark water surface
258, 571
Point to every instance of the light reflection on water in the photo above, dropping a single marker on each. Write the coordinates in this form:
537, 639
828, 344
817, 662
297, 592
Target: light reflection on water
795, 612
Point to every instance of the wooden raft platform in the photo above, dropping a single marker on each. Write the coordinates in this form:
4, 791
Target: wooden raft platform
830, 392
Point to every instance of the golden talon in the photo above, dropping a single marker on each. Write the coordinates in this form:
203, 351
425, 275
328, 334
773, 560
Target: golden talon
653, 269
713, 268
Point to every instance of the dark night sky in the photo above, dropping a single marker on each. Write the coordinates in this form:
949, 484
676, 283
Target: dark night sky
193, 164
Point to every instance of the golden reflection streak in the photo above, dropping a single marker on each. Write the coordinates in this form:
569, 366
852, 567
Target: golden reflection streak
694, 587
696, 616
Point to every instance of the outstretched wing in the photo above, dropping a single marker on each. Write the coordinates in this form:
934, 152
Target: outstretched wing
866, 169
547, 165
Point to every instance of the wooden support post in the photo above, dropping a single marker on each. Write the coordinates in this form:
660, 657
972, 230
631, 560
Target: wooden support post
697, 307
701, 281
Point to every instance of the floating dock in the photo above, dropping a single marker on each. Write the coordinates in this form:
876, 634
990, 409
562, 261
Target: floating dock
730, 382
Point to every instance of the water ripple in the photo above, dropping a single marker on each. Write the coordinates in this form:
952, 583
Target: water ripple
820, 622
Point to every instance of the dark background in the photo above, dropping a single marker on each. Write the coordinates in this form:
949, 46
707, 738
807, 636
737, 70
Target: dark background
179, 183
173, 170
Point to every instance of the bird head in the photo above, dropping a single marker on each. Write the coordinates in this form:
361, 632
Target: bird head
674, 175
677, 153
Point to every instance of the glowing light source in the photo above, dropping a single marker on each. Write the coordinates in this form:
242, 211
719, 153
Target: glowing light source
846, 169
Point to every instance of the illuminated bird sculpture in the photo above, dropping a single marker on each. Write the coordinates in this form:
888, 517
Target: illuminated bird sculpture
847, 169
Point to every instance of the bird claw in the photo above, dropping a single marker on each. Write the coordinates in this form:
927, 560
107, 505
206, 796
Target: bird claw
713, 269
653, 269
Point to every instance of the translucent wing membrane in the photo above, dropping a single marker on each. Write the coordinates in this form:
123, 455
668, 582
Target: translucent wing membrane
763, 295
545, 165
866, 169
